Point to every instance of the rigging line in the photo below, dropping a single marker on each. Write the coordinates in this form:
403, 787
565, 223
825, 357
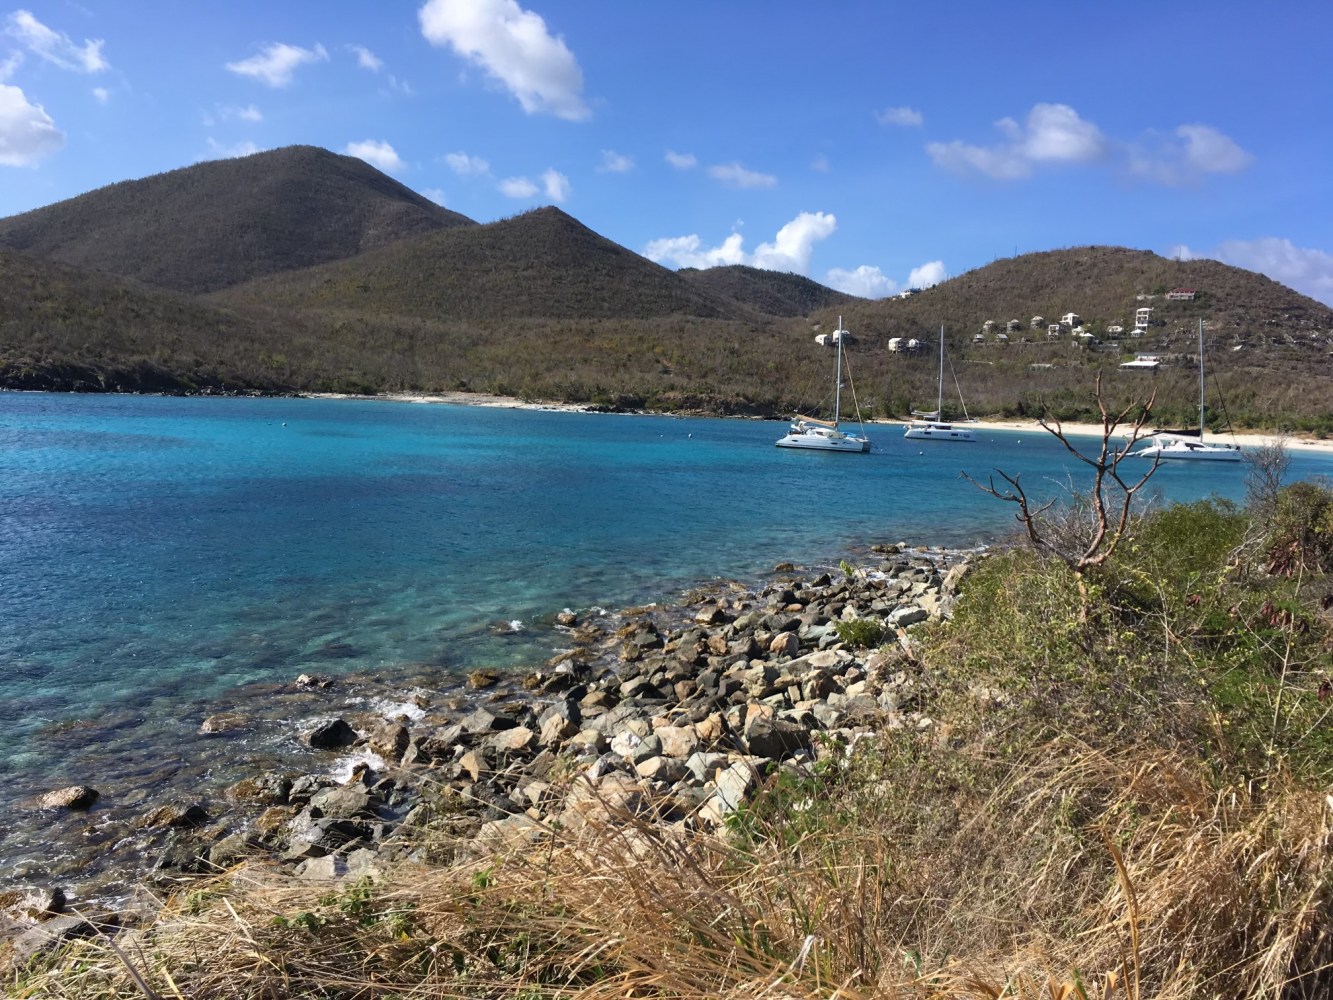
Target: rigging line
855, 405
961, 401
1220, 398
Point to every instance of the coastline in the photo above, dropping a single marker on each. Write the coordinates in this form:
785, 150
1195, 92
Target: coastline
1252, 439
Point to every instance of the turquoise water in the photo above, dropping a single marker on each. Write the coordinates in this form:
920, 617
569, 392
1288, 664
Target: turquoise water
157, 553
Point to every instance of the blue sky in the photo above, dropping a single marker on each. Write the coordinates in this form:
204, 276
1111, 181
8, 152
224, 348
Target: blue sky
872, 146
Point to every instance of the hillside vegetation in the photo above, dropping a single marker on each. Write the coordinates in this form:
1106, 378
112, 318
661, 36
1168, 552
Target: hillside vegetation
326, 274
216, 224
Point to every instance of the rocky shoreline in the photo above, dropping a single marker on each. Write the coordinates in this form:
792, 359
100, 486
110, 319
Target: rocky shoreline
677, 713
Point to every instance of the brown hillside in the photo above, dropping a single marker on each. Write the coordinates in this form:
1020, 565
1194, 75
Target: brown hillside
541, 264
216, 224
775, 293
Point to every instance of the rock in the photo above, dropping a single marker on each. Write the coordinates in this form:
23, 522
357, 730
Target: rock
482, 721
479, 680
510, 833
175, 814
314, 682
776, 738
508, 742
908, 616
677, 741
334, 735
77, 797
47, 937
660, 769
566, 619
785, 644
223, 722
267, 789
390, 741
343, 802
325, 868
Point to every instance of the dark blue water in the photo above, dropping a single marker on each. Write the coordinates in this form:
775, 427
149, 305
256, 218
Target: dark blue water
156, 552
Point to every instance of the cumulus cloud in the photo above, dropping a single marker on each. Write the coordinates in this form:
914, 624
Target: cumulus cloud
467, 166
820, 164
276, 65
899, 116
556, 185
1186, 156
927, 275
377, 153
737, 176
790, 250
101, 95
54, 46
221, 151
27, 133
682, 161
367, 59
866, 281
518, 187
614, 163
435, 194
1305, 269
514, 47
1052, 134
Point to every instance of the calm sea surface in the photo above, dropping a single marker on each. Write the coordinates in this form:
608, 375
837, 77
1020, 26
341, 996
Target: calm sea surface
158, 553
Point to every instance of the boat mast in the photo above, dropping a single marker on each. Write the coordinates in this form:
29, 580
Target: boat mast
939, 393
837, 376
1201, 413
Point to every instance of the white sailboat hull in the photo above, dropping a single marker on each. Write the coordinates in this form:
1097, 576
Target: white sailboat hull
823, 439
1178, 449
929, 430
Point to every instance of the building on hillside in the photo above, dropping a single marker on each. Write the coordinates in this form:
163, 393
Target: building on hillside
1143, 362
1143, 317
978, 338
1071, 320
1181, 295
1002, 338
895, 344
1115, 330
1013, 326
823, 339
1037, 322
1054, 331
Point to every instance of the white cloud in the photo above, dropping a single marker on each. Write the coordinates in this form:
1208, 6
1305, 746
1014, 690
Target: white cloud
467, 166
791, 248
789, 251
615, 163
377, 153
1191, 152
27, 133
682, 161
866, 281
217, 151
735, 175
10, 66
276, 64
1052, 134
101, 95
226, 112
518, 187
899, 116
54, 46
1304, 269
514, 46
436, 195
689, 251
367, 59
820, 164
556, 185
927, 275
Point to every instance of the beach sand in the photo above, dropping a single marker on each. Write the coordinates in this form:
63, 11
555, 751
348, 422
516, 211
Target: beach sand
1245, 439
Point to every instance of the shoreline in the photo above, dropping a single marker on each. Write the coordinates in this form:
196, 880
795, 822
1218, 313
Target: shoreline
1251, 439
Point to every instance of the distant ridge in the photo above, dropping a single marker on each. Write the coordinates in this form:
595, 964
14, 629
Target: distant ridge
1104, 285
541, 264
219, 223
776, 293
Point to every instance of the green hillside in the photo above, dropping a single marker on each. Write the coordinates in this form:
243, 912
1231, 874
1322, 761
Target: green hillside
216, 224
775, 293
542, 264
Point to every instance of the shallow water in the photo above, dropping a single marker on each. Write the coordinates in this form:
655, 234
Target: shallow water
157, 554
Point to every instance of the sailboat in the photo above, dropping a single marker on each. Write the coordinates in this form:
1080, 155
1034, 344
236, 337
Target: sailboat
1167, 446
825, 435
930, 427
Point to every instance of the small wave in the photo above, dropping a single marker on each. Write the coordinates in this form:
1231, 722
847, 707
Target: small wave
344, 767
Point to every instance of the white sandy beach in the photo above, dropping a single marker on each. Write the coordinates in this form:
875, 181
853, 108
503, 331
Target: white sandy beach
1242, 438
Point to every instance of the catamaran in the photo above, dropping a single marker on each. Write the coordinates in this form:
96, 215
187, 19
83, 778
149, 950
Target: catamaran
1167, 446
930, 426
825, 435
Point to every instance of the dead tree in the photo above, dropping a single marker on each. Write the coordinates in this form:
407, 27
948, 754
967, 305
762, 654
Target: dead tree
1110, 500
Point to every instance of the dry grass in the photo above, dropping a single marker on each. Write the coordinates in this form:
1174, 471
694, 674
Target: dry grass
1079, 874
